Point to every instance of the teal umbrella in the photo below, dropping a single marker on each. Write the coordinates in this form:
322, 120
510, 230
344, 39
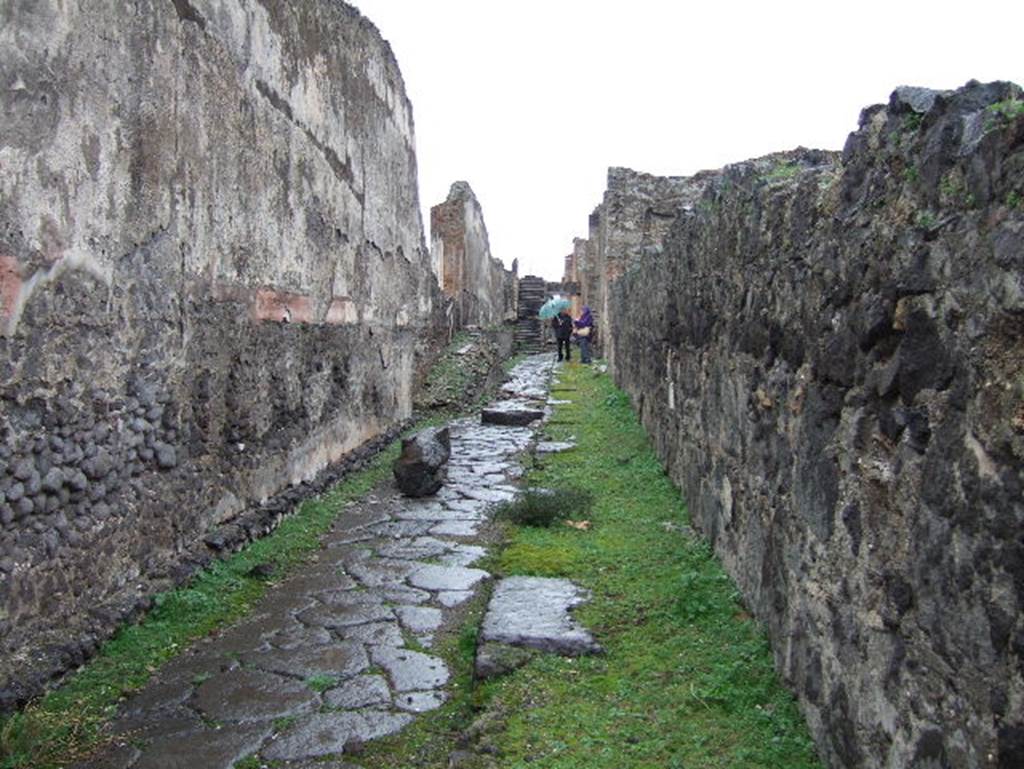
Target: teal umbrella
552, 307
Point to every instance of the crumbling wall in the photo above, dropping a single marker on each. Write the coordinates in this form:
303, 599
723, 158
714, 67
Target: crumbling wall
828, 354
213, 283
480, 291
631, 222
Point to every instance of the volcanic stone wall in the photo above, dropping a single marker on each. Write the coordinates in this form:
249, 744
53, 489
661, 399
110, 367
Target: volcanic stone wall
630, 222
213, 283
829, 355
479, 290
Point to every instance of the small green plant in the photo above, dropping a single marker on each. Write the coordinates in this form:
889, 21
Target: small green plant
284, 723
321, 682
912, 122
910, 174
781, 171
925, 220
1014, 200
542, 507
1003, 112
249, 762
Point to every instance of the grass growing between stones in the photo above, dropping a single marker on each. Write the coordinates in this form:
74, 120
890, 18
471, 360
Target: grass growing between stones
65, 724
687, 678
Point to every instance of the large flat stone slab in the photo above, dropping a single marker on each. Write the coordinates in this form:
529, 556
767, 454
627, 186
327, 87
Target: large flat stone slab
533, 612
341, 659
326, 734
433, 577
511, 414
411, 671
252, 695
210, 748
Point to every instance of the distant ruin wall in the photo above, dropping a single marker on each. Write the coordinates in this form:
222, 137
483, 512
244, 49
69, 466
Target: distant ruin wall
213, 283
631, 222
829, 355
479, 290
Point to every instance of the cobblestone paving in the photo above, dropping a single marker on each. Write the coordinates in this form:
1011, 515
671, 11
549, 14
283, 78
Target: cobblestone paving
358, 624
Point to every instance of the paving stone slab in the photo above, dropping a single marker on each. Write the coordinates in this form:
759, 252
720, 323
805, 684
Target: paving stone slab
409, 670
157, 723
452, 598
456, 529
554, 447
473, 508
326, 734
400, 529
463, 555
512, 414
492, 495
420, 702
298, 636
374, 633
341, 659
252, 695
415, 548
383, 572
359, 692
333, 617
160, 696
434, 577
311, 584
197, 665
210, 749
533, 612
419, 619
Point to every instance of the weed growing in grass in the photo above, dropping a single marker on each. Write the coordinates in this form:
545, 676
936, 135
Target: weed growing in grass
321, 682
543, 507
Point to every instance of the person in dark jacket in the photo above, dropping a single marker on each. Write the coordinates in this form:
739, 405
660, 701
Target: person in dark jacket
562, 326
585, 333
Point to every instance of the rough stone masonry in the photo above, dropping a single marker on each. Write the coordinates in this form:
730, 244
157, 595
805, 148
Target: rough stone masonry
213, 283
829, 354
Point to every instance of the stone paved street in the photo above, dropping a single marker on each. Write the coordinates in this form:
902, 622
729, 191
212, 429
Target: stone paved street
360, 622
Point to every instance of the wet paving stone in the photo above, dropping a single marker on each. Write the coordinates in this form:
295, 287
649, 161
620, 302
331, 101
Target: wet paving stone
374, 633
420, 702
417, 548
299, 636
411, 671
342, 659
121, 756
326, 734
433, 577
419, 619
463, 555
359, 692
342, 616
452, 598
211, 748
383, 572
456, 529
250, 695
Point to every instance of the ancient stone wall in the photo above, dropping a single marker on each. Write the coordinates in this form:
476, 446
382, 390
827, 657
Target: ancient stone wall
828, 354
213, 283
631, 221
480, 291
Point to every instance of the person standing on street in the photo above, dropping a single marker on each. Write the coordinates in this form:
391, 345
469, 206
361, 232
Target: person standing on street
562, 325
584, 333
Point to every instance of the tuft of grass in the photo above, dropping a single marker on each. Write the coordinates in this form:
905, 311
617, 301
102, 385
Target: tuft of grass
543, 507
1003, 112
321, 682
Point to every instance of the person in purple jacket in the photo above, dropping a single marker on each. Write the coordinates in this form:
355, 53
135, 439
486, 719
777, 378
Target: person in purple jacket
584, 333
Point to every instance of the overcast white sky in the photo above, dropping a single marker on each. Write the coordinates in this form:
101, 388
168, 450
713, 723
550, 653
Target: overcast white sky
531, 101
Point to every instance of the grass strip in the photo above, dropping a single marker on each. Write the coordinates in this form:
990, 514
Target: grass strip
687, 679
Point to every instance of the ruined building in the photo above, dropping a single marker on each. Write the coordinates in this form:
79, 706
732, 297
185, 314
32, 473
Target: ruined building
213, 283
826, 350
479, 290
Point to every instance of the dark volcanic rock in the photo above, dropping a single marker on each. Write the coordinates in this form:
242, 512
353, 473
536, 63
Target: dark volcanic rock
511, 413
420, 469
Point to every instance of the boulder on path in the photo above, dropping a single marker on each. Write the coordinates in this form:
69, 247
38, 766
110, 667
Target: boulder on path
423, 464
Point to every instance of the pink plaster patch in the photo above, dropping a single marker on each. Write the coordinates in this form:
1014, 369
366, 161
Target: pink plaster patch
10, 285
342, 310
282, 306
